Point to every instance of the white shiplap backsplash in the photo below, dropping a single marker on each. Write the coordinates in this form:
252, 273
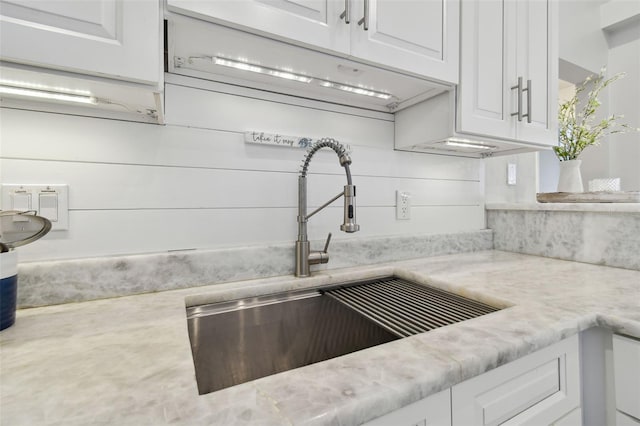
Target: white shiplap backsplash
194, 183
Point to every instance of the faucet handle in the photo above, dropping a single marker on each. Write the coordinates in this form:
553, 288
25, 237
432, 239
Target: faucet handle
326, 245
316, 257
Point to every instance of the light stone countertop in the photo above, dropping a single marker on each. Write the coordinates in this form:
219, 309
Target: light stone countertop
127, 361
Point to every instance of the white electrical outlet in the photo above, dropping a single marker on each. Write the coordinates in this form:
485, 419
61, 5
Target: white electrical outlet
403, 205
511, 174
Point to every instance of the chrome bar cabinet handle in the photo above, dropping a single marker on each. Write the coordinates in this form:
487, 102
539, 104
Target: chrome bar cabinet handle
365, 19
528, 90
519, 87
346, 14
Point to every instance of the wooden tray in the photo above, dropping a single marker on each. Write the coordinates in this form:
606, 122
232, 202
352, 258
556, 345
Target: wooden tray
589, 197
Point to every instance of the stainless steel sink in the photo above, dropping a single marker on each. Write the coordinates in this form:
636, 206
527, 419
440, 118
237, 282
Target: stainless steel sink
242, 340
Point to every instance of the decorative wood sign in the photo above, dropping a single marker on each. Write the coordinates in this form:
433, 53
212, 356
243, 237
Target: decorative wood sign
276, 139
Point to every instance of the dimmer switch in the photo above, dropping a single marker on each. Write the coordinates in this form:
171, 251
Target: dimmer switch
21, 201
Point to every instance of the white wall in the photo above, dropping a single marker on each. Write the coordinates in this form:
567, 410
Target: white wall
194, 183
595, 159
581, 42
526, 187
624, 98
619, 155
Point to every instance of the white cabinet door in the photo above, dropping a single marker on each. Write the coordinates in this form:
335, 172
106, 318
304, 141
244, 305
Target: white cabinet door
434, 410
502, 42
484, 92
534, 390
626, 367
417, 36
112, 38
537, 63
312, 22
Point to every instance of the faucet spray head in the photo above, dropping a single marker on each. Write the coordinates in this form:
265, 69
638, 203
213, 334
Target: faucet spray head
350, 224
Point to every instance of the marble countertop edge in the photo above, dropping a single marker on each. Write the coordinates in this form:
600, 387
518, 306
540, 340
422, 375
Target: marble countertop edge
568, 207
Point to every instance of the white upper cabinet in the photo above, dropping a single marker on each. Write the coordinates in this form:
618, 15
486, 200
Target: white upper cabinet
107, 38
504, 43
537, 64
420, 37
310, 22
417, 36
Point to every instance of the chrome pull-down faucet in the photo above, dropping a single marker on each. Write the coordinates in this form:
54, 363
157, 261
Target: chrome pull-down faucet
304, 256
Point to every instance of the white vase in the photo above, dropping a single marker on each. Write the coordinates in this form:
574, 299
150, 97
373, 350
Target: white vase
570, 179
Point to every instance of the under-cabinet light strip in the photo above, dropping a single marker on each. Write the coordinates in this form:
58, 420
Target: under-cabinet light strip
245, 66
45, 94
354, 89
465, 144
287, 75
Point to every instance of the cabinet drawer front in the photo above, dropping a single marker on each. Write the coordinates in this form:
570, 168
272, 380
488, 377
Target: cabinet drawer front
516, 395
434, 410
539, 388
626, 365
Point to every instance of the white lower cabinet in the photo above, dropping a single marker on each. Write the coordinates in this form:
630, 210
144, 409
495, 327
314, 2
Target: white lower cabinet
434, 410
542, 388
626, 367
574, 418
624, 420
538, 389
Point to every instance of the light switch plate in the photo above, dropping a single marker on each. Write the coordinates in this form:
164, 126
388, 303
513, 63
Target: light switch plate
54, 196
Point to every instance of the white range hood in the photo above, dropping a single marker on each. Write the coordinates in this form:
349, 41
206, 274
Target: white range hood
214, 52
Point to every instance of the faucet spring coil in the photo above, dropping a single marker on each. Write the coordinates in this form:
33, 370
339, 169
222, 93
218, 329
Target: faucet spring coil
325, 143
